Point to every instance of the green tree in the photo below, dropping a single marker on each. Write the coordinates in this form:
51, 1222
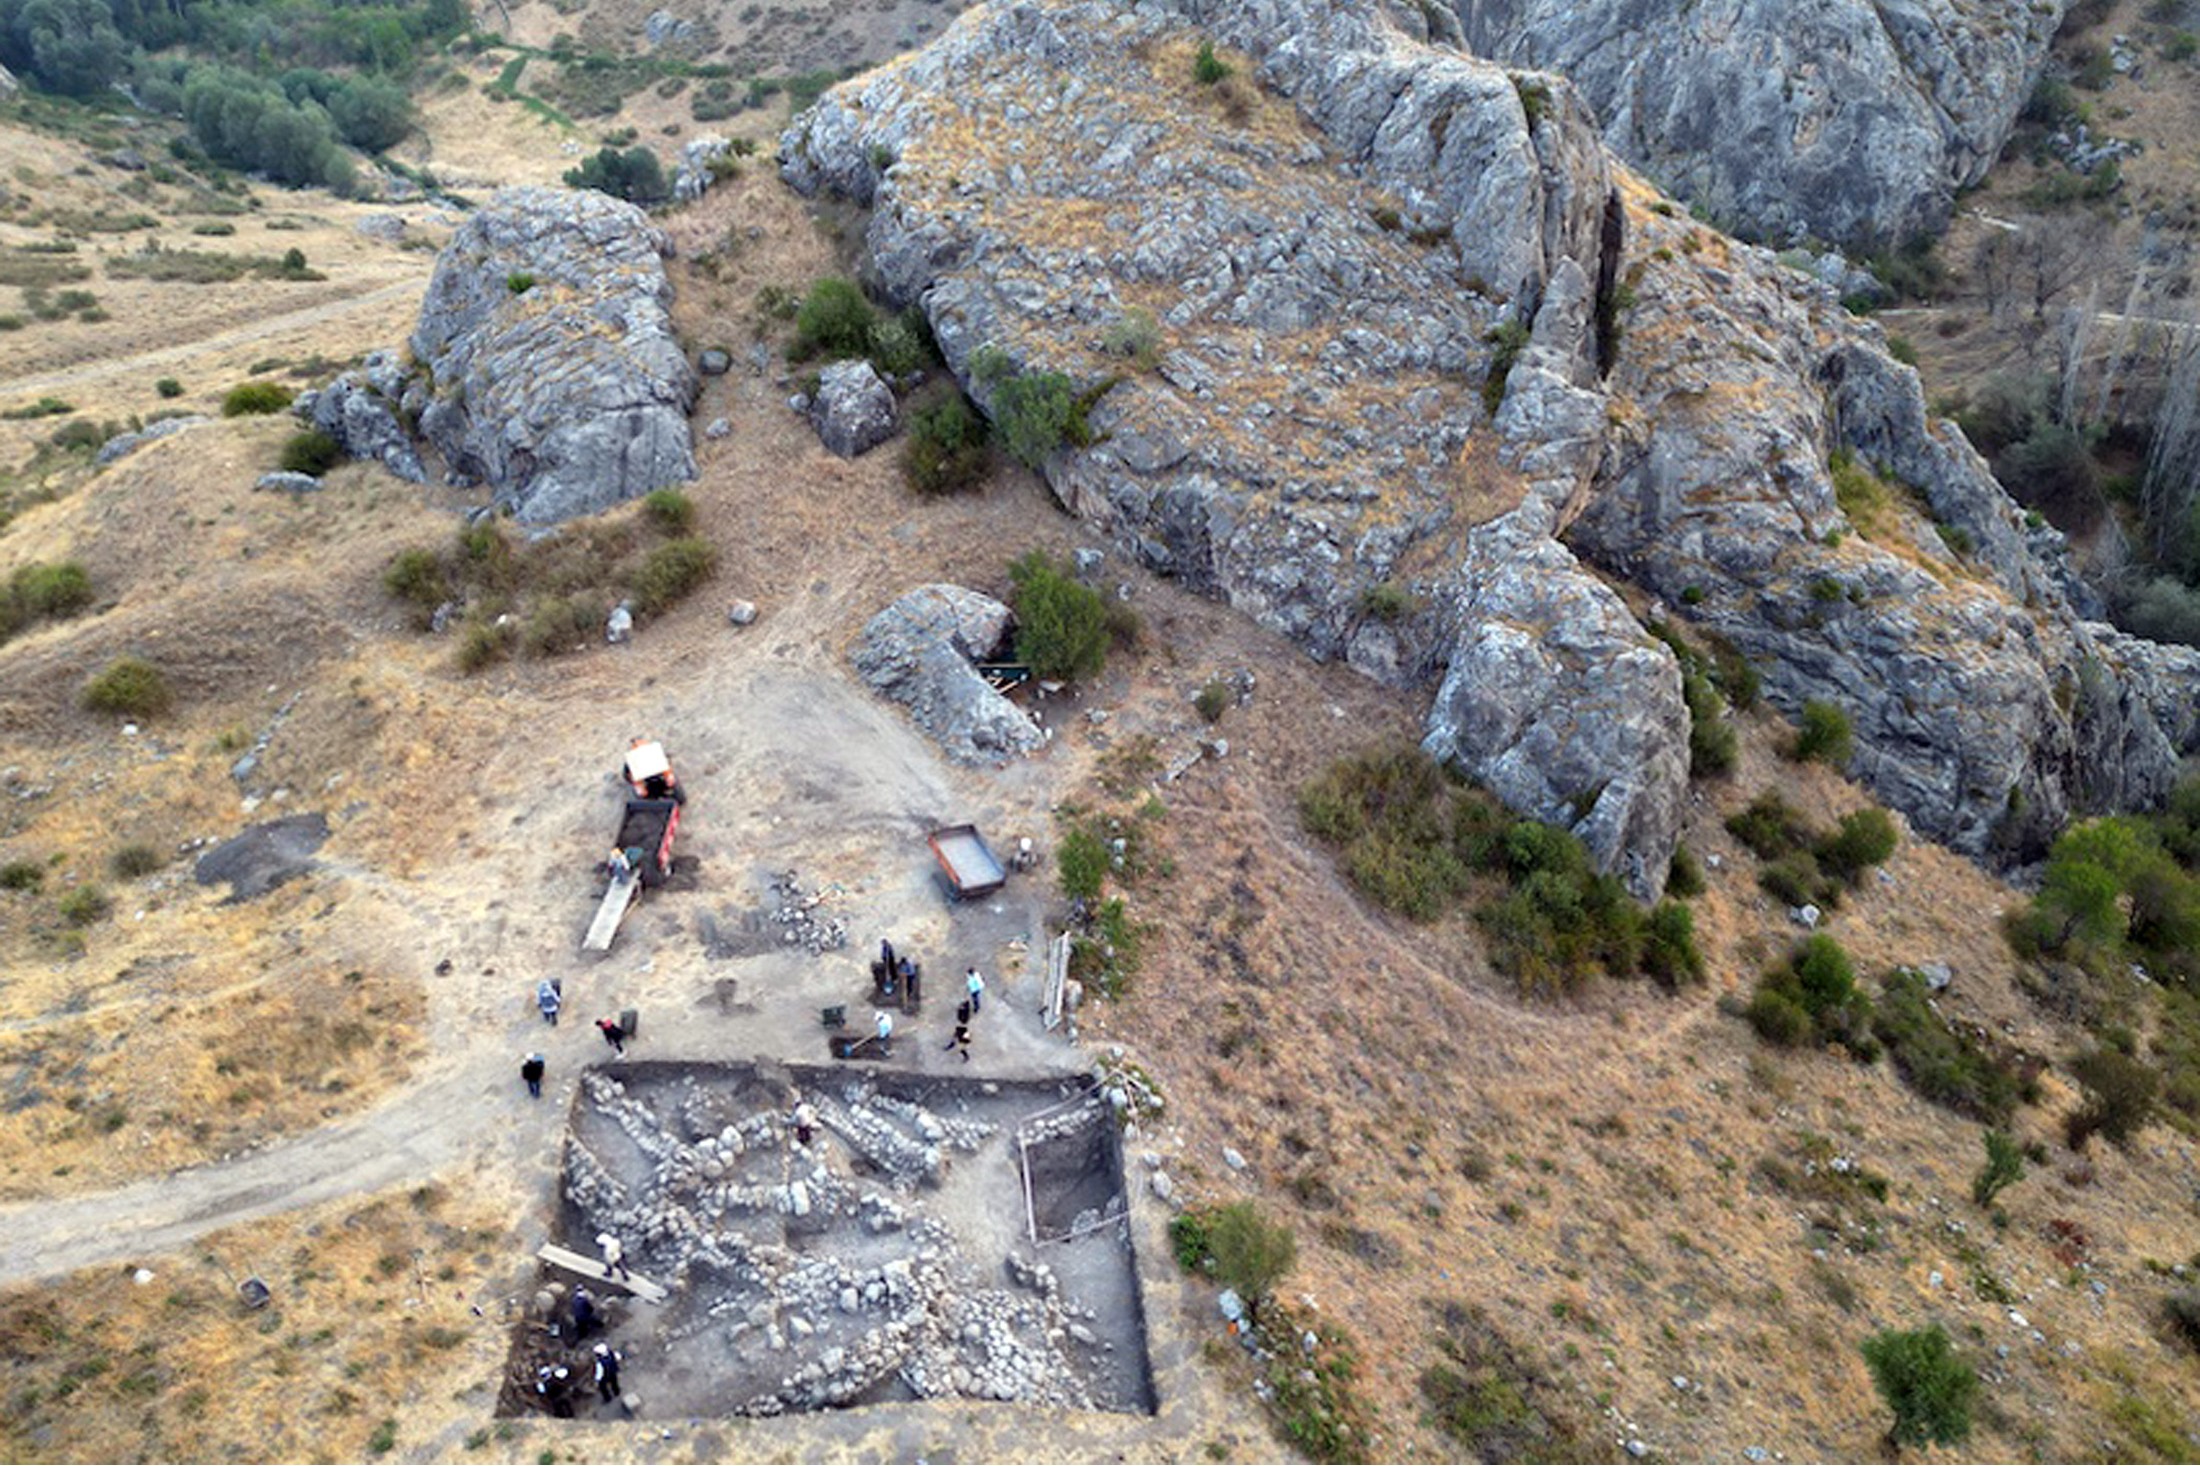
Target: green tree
370, 113
2119, 1097
634, 175
1252, 1254
1061, 625
1825, 735
68, 46
2004, 1168
1925, 1383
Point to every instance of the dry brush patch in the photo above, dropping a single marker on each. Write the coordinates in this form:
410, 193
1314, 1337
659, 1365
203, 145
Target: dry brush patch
373, 1319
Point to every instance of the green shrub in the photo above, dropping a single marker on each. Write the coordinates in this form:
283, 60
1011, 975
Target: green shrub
1252, 1254
1388, 602
1936, 1060
834, 320
1684, 875
43, 407
519, 282
1061, 625
311, 452
634, 175
1207, 68
1214, 700
560, 624
1865, 839
2182, 1311
1669, 952
1713, 745
168, 387
2004, 1168
1507, 340
1188, 1240
1769, 826
22, 875
897, 347
1134, 335
673, 570
130, 687
669, 511
84, 905
1036, 413
134, 862
53, 591
1795, 880
417, 576
482, 643
1925, 1384
946, 448
2120, 1093
1825, 735
248, 399
1082, 858
1486, 1397
1778, 1018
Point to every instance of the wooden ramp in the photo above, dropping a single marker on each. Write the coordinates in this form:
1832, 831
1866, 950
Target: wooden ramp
593, 1270
616, 900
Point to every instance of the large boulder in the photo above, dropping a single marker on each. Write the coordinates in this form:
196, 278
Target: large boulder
1846, 120
1346, 268
556, 377
922, 652
853, 410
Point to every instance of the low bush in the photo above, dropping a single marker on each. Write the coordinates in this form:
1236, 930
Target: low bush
249, 399
168, 387
1936, 1060
1208, 68
1135, 336
1684, 875
134, 862
1818, 985
2182, 1311
1924, 1383
130, 687
52, 591
634, 175
900, 345
2120, 1094
311, 452
519, 282
671, 572
1825, 735
84, 905
1061, 624
1669, 954
22, 875
417, 577
1485, 1396
1864, 839
482, 643
833, 321
669, 511
561, 624
1252, 1253
1037, 413
1713, 745
1082, 859
1213, 700
1388, 602
2004, 1167
946, 448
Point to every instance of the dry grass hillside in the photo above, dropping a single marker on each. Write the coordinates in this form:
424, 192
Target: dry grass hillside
1620, 1204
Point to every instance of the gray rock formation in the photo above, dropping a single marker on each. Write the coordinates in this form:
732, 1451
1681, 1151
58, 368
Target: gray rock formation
853, 411
122, 445
697, 169
1339, 261
1846, 120
287, 482
920, 650
571, 394
362, 411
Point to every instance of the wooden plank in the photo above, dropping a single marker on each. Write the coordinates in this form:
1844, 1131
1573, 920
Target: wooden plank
1057, 983
617, 898
593, 1270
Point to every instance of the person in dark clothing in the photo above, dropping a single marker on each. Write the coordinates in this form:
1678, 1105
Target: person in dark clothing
530, 1069
607, 1372
612, 1034
961, 1040
584, 1312
962, 1012
912, 979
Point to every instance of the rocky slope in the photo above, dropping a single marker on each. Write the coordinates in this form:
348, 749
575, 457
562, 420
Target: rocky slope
1843, 121
1329, 256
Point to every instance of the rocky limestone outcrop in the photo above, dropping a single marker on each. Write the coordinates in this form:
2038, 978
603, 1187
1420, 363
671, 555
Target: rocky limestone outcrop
554, 375
1337, 262
854, 410
1847, 120
921, 651
362, 410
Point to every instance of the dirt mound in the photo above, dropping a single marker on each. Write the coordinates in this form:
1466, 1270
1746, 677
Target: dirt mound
263, 857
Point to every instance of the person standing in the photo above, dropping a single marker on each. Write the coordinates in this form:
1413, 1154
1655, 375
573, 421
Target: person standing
885, 1034
614, 1256
805, 1123
961, 1040
975, 986
549, 998
613, 1035
530, 1069
584, 1313
607, 1372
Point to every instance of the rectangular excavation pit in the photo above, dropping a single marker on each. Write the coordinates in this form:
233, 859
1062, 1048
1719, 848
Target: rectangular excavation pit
891, 1260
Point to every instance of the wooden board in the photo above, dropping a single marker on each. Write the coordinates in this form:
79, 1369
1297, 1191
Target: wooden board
616, 899
593, 1269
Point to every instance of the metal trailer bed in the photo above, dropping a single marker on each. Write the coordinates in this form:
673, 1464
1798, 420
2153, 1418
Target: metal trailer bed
967, 864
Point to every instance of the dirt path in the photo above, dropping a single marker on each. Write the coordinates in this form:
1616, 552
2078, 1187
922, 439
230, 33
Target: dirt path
188, 351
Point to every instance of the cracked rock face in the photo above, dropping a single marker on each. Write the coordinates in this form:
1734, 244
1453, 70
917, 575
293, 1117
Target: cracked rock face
1330, 254
921, 651
1841, 120
552, 372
